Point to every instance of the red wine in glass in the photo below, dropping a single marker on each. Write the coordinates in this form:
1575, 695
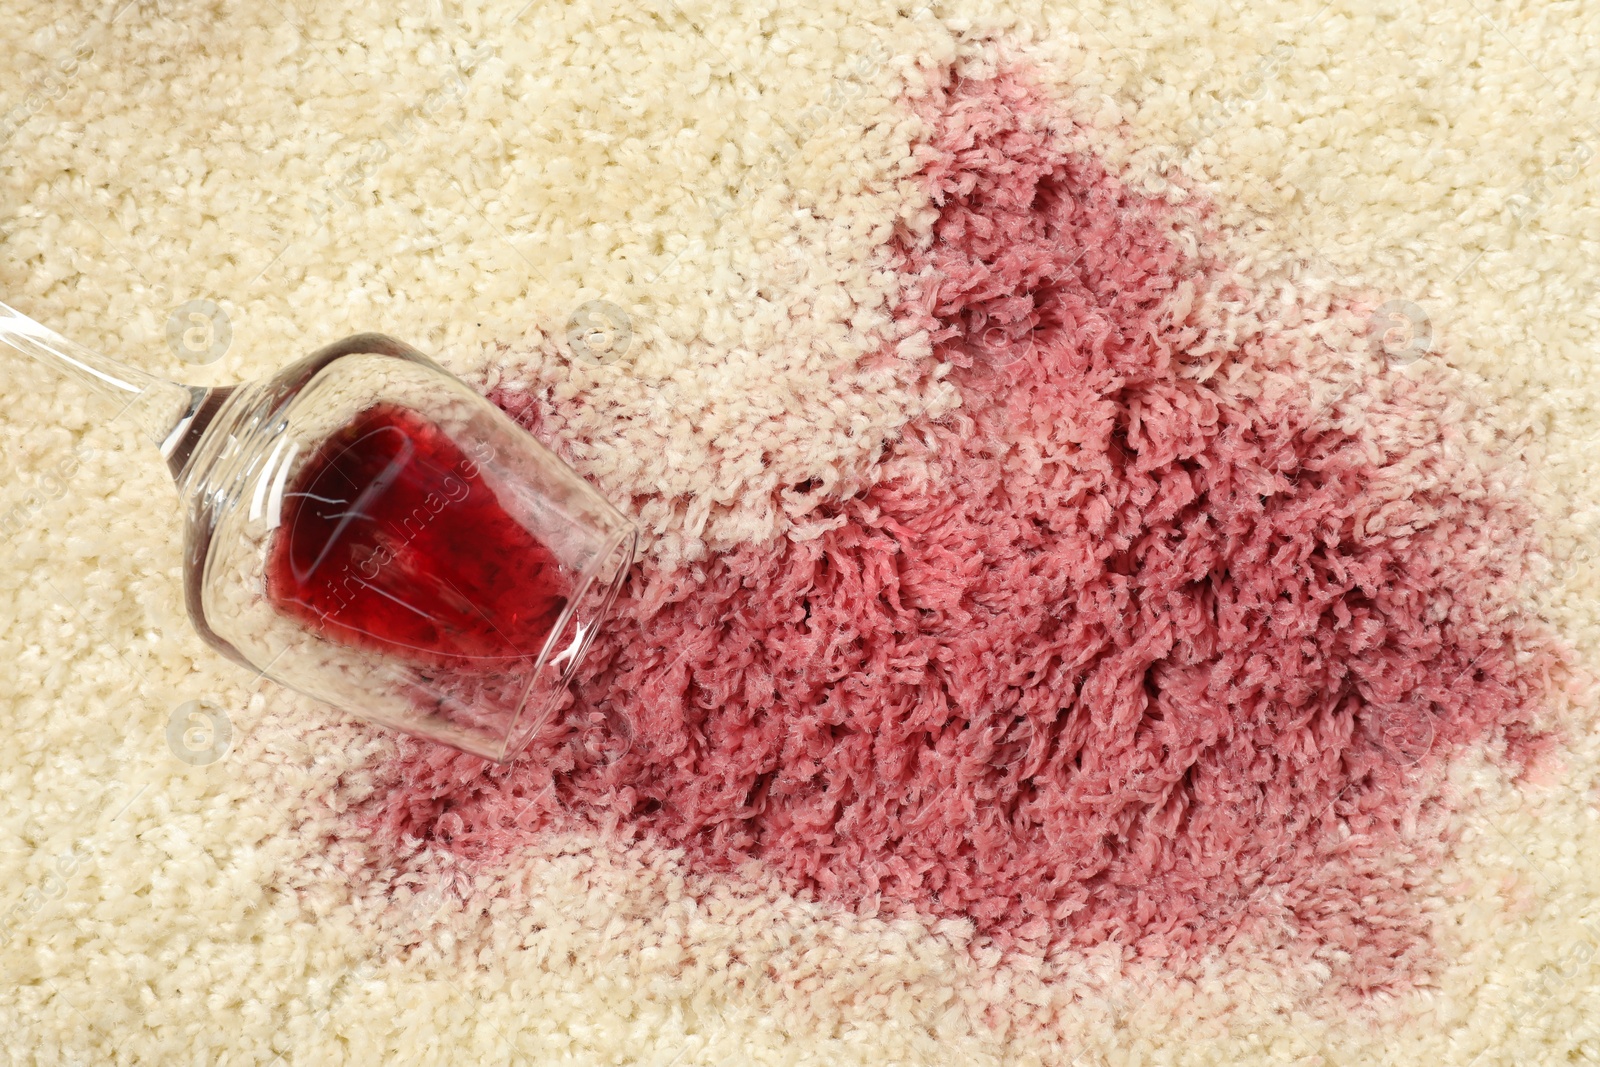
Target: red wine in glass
365, 528
390, 539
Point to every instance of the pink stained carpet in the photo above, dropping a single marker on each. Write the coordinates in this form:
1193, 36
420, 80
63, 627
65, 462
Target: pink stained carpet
1120, 650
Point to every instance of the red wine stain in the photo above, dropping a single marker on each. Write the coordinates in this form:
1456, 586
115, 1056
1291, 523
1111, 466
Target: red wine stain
1133, 663
391, 541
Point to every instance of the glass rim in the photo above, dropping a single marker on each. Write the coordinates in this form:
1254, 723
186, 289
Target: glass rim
624, 540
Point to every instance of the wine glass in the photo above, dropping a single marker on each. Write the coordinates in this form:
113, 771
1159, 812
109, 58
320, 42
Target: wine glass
367, 529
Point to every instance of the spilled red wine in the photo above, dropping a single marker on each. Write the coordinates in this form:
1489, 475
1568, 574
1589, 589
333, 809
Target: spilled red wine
391, 541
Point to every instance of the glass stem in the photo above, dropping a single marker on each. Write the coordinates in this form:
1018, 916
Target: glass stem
163, 409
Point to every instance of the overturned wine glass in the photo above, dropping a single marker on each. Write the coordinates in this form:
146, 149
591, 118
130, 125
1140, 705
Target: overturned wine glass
367, 529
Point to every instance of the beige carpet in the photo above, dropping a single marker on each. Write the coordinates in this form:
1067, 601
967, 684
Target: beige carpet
747, 188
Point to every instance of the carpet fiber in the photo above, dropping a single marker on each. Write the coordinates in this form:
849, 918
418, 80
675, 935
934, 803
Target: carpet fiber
1120, 550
